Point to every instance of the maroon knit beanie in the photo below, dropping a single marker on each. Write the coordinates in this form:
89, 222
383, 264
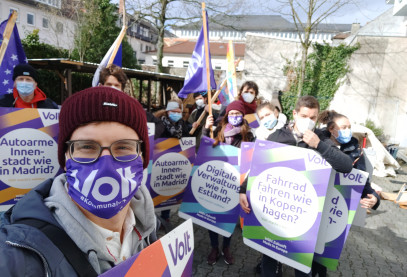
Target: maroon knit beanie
101, 104
235, 105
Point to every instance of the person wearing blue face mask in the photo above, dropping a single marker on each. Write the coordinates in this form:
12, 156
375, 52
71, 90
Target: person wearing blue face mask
171, 117
26, 94
269, 123
174, 127
338, 130
99, 207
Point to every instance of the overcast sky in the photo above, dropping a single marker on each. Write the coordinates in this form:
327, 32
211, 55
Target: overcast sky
362, 12
359, 11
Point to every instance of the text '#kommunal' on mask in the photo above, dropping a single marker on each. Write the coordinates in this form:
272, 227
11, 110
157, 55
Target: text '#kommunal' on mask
104, 187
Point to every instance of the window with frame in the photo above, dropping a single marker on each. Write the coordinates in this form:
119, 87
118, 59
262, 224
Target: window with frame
30, 19
60, 27
45, 23
185, 63
170, 63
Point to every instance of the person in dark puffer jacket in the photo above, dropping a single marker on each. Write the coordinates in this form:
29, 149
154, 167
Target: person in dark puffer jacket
100, 202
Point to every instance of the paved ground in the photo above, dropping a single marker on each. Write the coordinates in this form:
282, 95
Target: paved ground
378, 249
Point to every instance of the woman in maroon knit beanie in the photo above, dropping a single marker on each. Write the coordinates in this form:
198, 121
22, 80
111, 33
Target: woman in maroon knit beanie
232, 130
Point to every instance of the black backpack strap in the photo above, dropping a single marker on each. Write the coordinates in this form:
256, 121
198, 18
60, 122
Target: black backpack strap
65, 244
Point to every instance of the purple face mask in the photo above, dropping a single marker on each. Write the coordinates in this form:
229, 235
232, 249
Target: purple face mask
235, 120
104, 187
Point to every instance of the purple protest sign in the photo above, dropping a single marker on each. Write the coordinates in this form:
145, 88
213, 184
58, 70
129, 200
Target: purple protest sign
342, 200
172, 163
212, 196
28, 151
172, 255
286, 191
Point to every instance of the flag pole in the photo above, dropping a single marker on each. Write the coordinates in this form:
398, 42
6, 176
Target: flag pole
123, 8
208, 76
7, 34
117, 46
212, 101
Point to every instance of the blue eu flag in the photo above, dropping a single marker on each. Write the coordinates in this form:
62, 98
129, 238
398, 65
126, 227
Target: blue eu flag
14, 55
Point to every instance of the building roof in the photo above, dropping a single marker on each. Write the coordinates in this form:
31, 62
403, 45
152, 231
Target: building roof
341, 35
259, 23
217, 48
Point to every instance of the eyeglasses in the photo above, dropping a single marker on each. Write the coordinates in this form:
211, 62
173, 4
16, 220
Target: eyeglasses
88, 151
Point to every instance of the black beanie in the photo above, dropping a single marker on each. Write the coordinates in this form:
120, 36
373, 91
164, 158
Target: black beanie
24, 69
101, 104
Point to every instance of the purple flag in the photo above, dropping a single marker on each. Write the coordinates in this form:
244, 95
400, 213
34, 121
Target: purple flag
195, 80
14, 55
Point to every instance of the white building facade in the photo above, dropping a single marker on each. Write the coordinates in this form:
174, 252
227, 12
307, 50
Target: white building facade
53, 29
59, 31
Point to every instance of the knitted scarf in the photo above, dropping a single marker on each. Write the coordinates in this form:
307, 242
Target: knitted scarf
174, 128
230, 133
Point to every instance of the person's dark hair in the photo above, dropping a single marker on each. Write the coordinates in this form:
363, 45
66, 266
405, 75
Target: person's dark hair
114, 71
307, 101
220, 137
329, 117
249, 84
278, 109
265, 105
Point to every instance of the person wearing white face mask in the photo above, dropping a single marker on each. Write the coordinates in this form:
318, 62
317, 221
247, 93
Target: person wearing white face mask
268, 121
26, 94
301, 134
201, 101
248, 95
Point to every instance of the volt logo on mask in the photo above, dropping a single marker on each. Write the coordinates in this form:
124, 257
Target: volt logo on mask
104, 187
